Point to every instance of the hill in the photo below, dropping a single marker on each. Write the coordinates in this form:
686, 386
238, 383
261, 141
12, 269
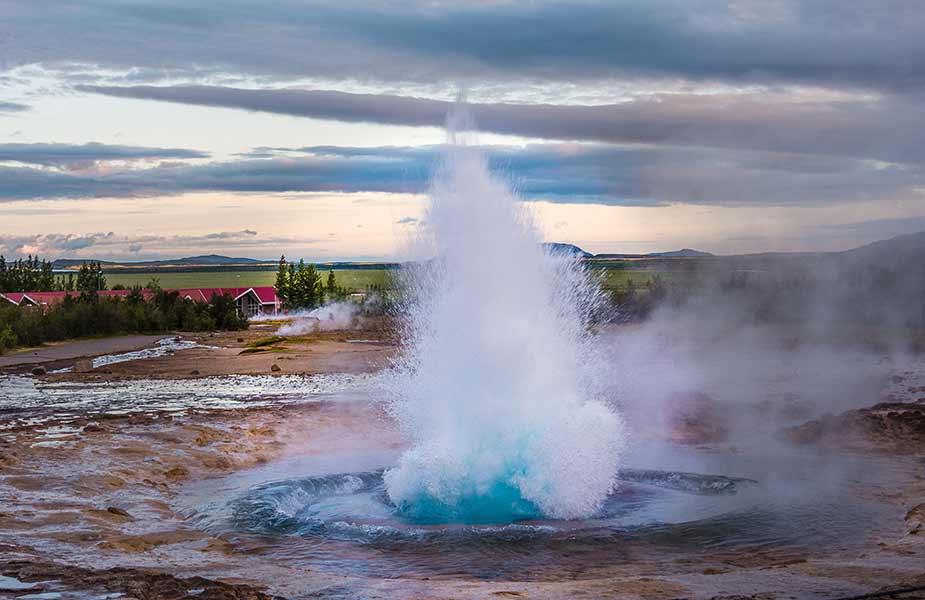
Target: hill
683, 253
901, 251
210, 260
560, 248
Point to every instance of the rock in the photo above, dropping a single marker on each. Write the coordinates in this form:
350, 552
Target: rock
92, 428
38, 371
83, 365
177, 472
696, 419
275, 368
895, 426
194, 372
240, 340
118, 511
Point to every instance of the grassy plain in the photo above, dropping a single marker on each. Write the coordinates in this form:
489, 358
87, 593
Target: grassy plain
352, 279
618, 279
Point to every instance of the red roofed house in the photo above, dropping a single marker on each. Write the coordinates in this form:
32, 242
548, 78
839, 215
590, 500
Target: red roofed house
249, 301
48, 298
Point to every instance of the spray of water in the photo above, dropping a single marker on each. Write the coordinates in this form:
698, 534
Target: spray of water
500, 386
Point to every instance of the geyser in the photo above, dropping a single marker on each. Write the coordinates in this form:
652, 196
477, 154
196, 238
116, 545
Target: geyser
500, 386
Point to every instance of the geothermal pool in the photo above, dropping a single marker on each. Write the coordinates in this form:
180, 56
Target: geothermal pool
332, 513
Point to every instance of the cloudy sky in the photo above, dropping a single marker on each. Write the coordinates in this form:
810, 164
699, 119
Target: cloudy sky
152, 129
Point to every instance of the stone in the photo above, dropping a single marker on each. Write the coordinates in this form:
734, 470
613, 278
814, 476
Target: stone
38, 371
118, 511
84, 365
194, 372
275, 368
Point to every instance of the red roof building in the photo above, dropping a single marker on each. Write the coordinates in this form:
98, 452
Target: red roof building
249, 301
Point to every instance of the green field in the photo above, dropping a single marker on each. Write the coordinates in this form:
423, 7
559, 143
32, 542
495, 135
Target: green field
618, 279
352, 279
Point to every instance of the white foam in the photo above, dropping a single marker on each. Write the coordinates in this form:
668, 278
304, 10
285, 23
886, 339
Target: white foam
501, 385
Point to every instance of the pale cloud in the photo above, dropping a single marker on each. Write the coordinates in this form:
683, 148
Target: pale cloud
794, 123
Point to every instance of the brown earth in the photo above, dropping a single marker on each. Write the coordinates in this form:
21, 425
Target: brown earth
59, 352
96, 513
226, 353
896, 427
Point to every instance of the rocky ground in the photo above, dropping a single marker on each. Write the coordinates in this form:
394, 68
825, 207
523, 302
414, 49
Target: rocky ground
257, 351
92, 515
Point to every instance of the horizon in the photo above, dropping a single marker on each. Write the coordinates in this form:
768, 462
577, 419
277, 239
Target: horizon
627, 127
386, 261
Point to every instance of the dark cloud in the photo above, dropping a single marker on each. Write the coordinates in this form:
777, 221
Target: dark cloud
11, 107
571, 173
874, 44
864, 44
886, 129
75, 155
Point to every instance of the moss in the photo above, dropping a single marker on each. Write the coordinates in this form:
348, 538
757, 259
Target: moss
267, 341
261, 349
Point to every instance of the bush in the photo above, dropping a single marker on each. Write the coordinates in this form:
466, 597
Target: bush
90, 315
7, 339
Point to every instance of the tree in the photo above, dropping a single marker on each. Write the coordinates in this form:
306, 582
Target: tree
291, 293
46, 281
282, 280
305, 289
332, 284
90, 278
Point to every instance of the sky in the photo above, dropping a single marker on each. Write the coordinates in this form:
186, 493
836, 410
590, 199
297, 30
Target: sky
143, 129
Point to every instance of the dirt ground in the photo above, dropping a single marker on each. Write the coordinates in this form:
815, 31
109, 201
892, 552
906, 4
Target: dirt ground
69, 351
95, 515
221, 353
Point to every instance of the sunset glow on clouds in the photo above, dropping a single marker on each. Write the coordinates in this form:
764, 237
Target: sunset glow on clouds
160, 129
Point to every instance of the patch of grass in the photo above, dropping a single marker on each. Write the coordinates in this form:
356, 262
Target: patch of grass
308, 338
261, 349
618, 279
265, 342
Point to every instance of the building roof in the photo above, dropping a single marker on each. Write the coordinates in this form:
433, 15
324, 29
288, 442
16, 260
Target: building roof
17, 298
263, 294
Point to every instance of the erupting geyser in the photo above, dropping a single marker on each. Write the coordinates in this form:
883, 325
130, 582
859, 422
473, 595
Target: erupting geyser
499, 389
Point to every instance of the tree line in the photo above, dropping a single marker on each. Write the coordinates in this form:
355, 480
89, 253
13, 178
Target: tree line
301, 286
151, 310
34, 275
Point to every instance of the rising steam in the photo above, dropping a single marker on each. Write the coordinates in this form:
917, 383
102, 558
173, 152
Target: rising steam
499, 387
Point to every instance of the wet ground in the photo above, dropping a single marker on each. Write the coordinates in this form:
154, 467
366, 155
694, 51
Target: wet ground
237, 486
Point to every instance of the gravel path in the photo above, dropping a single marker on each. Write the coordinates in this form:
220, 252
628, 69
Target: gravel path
79, 349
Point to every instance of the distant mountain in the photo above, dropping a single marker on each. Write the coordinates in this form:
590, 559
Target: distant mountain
902, 251
683, 253
204, 260
559, 248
